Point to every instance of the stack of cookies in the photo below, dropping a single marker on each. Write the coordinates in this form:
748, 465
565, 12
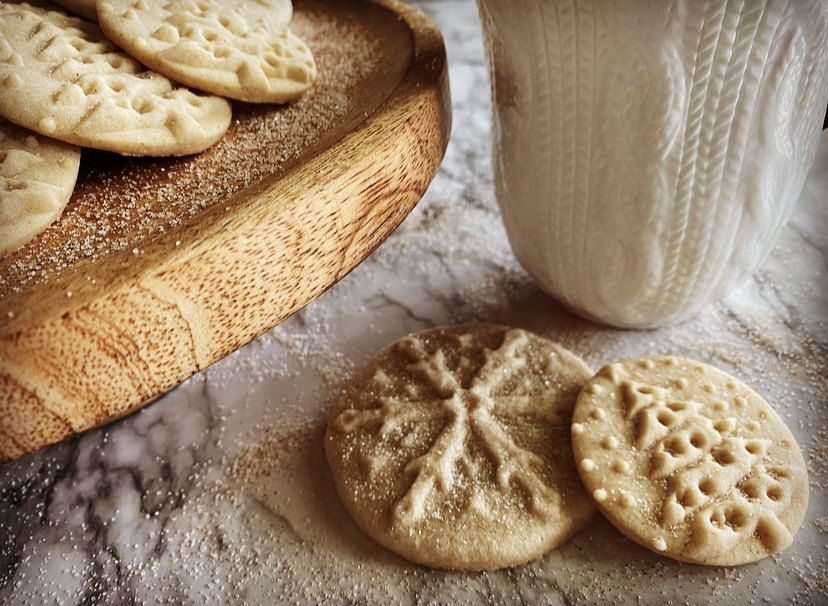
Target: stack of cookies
476, 447
133, 77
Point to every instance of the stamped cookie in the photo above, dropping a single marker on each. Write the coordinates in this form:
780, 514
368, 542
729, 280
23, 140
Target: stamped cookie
239, 49
451, 447
688, 461
61, 77
37, 177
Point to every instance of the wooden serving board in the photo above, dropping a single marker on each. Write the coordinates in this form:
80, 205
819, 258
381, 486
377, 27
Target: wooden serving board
160, 267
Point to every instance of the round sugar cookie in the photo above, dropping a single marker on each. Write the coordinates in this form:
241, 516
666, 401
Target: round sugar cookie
688, 461
451, 447
61, 77
234, 48
37, 177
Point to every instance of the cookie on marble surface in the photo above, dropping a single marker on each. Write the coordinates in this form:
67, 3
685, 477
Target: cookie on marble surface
688, 461
61, 77
451, 447
37, 177
235, 48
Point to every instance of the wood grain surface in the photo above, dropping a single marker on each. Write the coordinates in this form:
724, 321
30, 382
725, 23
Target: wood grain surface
160, 267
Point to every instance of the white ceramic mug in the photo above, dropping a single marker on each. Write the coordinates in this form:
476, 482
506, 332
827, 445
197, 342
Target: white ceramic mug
647, 154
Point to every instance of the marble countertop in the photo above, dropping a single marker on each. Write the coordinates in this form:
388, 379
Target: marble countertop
219, 493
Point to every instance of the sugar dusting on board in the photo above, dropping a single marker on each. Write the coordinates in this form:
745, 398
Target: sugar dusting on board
120, 204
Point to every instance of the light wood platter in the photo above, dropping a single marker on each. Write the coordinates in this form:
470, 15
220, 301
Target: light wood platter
160, 267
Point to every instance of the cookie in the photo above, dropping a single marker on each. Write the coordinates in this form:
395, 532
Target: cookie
37, 177
688, 461
61, 77
237, 49
451, 447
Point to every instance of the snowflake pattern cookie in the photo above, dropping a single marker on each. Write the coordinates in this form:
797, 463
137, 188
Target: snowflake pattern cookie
451, 448
688, 461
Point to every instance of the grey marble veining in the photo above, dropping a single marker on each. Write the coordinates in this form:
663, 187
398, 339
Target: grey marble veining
219, 491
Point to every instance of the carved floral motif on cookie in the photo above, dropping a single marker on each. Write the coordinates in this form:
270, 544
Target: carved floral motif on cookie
688, 461
451, 447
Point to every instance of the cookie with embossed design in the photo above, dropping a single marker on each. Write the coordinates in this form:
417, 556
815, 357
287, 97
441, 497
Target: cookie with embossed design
61, 77
688, 461
37, 177
451, 447
235, 48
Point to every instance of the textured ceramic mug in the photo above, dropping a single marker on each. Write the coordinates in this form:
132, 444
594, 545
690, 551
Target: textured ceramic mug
648, 153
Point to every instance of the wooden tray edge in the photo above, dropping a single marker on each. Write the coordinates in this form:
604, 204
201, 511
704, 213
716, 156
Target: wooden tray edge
99, 362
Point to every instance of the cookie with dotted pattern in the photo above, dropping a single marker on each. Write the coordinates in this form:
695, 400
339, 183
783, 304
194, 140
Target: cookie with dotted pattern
451, 447
61, 77
37, 177
235, 48
688, 461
